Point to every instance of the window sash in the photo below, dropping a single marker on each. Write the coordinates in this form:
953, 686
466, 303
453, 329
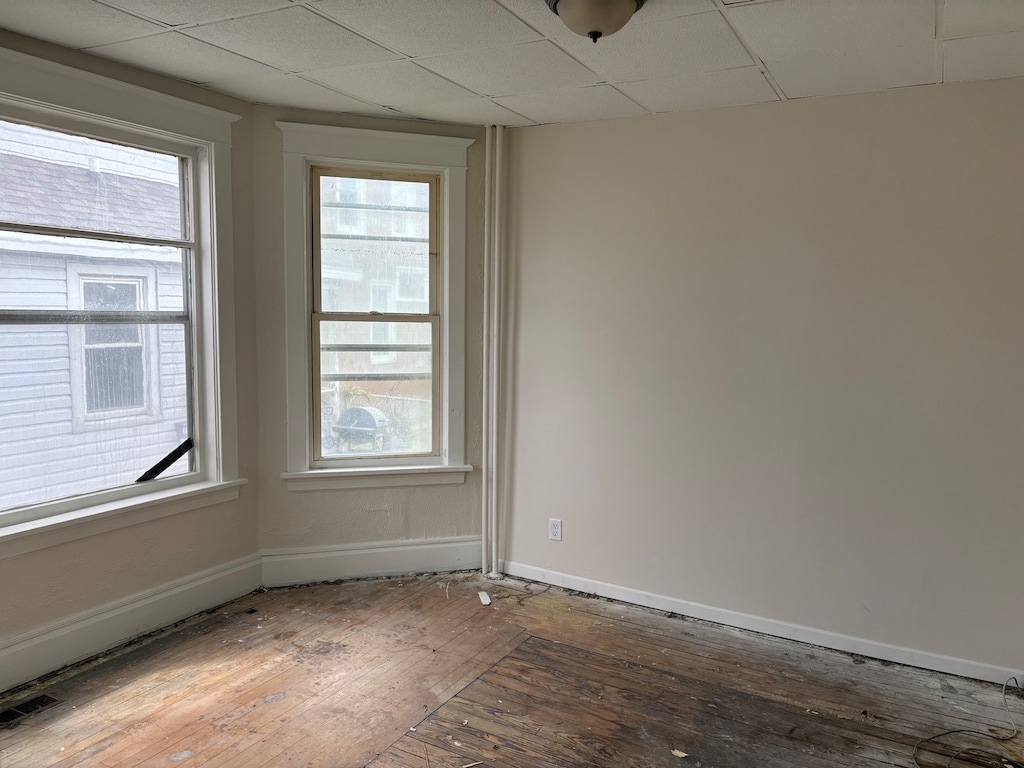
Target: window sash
318, 377
79, 318
316, 173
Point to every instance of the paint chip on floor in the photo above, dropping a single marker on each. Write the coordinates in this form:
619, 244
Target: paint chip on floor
484, 598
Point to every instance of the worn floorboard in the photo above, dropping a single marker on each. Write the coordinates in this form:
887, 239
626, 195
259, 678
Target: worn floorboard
417, 673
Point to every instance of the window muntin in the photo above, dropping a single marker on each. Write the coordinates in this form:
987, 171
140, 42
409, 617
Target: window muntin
96, 249
373, 359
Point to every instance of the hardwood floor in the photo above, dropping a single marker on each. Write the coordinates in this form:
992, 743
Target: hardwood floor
417, 673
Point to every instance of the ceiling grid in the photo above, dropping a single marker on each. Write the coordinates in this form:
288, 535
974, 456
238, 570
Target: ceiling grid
513, 62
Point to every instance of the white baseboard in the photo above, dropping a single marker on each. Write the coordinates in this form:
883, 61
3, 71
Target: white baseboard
860, 646
48, 648
43, 650
282, 567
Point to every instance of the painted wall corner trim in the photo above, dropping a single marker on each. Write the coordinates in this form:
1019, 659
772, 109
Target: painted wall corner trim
861, 646
305, 565
27, 656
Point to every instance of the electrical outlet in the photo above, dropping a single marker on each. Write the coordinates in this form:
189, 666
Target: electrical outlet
554, 529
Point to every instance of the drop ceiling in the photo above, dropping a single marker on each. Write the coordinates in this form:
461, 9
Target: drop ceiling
512, 62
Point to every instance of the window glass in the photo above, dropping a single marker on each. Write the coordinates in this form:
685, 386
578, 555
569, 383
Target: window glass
45, 453
36, 268
59, 180
376, 334
371, 230
95, 370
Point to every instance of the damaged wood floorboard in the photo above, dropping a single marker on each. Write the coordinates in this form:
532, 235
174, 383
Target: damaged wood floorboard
416, 673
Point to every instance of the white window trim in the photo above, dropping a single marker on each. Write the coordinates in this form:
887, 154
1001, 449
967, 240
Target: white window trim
40, 91
307, 145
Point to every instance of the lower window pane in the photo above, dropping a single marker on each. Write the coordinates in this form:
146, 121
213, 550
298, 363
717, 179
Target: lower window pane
78, 418
376, 389
115, 378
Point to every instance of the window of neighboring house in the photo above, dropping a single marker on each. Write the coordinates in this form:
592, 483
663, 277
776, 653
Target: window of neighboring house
115, 363
413, 284
381, 246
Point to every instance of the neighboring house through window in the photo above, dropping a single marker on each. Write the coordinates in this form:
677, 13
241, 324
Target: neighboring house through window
115, 363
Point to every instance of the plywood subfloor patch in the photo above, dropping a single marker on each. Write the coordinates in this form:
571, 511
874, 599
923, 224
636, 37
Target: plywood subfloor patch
418, 673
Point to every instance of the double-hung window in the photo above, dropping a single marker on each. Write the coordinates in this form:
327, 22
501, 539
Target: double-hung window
375, 357
375, 252
109, 322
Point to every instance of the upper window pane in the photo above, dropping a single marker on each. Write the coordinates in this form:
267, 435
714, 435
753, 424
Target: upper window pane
374, 233
53, 179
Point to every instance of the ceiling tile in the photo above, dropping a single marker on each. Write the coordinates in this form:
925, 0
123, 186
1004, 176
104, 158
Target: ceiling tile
983, 58
196, 11
419, 28
655, 10
294, 40
537, 14
475, 111
966, 18
294, 91
831, 47
394, 84
174, 54
701, 90
512, 69
72, 23
641, 50
569, 105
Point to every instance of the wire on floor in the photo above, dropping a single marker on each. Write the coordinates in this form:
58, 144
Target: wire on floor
1000, 760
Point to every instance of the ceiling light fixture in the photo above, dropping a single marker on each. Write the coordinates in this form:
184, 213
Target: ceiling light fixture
595, 18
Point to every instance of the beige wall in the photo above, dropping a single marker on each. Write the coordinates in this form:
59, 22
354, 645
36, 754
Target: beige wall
60, 582
769, 360
341, 517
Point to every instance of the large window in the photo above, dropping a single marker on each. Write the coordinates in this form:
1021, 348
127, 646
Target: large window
96, 245
116, 312
375, 280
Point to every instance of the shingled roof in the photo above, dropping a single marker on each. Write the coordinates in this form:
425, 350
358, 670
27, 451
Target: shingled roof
57, 195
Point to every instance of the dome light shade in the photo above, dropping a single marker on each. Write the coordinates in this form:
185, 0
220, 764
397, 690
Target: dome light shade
595, 18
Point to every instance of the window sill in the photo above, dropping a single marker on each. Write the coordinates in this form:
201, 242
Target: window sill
22, 538
376, 477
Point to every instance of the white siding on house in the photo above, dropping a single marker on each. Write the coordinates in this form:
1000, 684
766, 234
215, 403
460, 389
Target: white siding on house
56, 439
